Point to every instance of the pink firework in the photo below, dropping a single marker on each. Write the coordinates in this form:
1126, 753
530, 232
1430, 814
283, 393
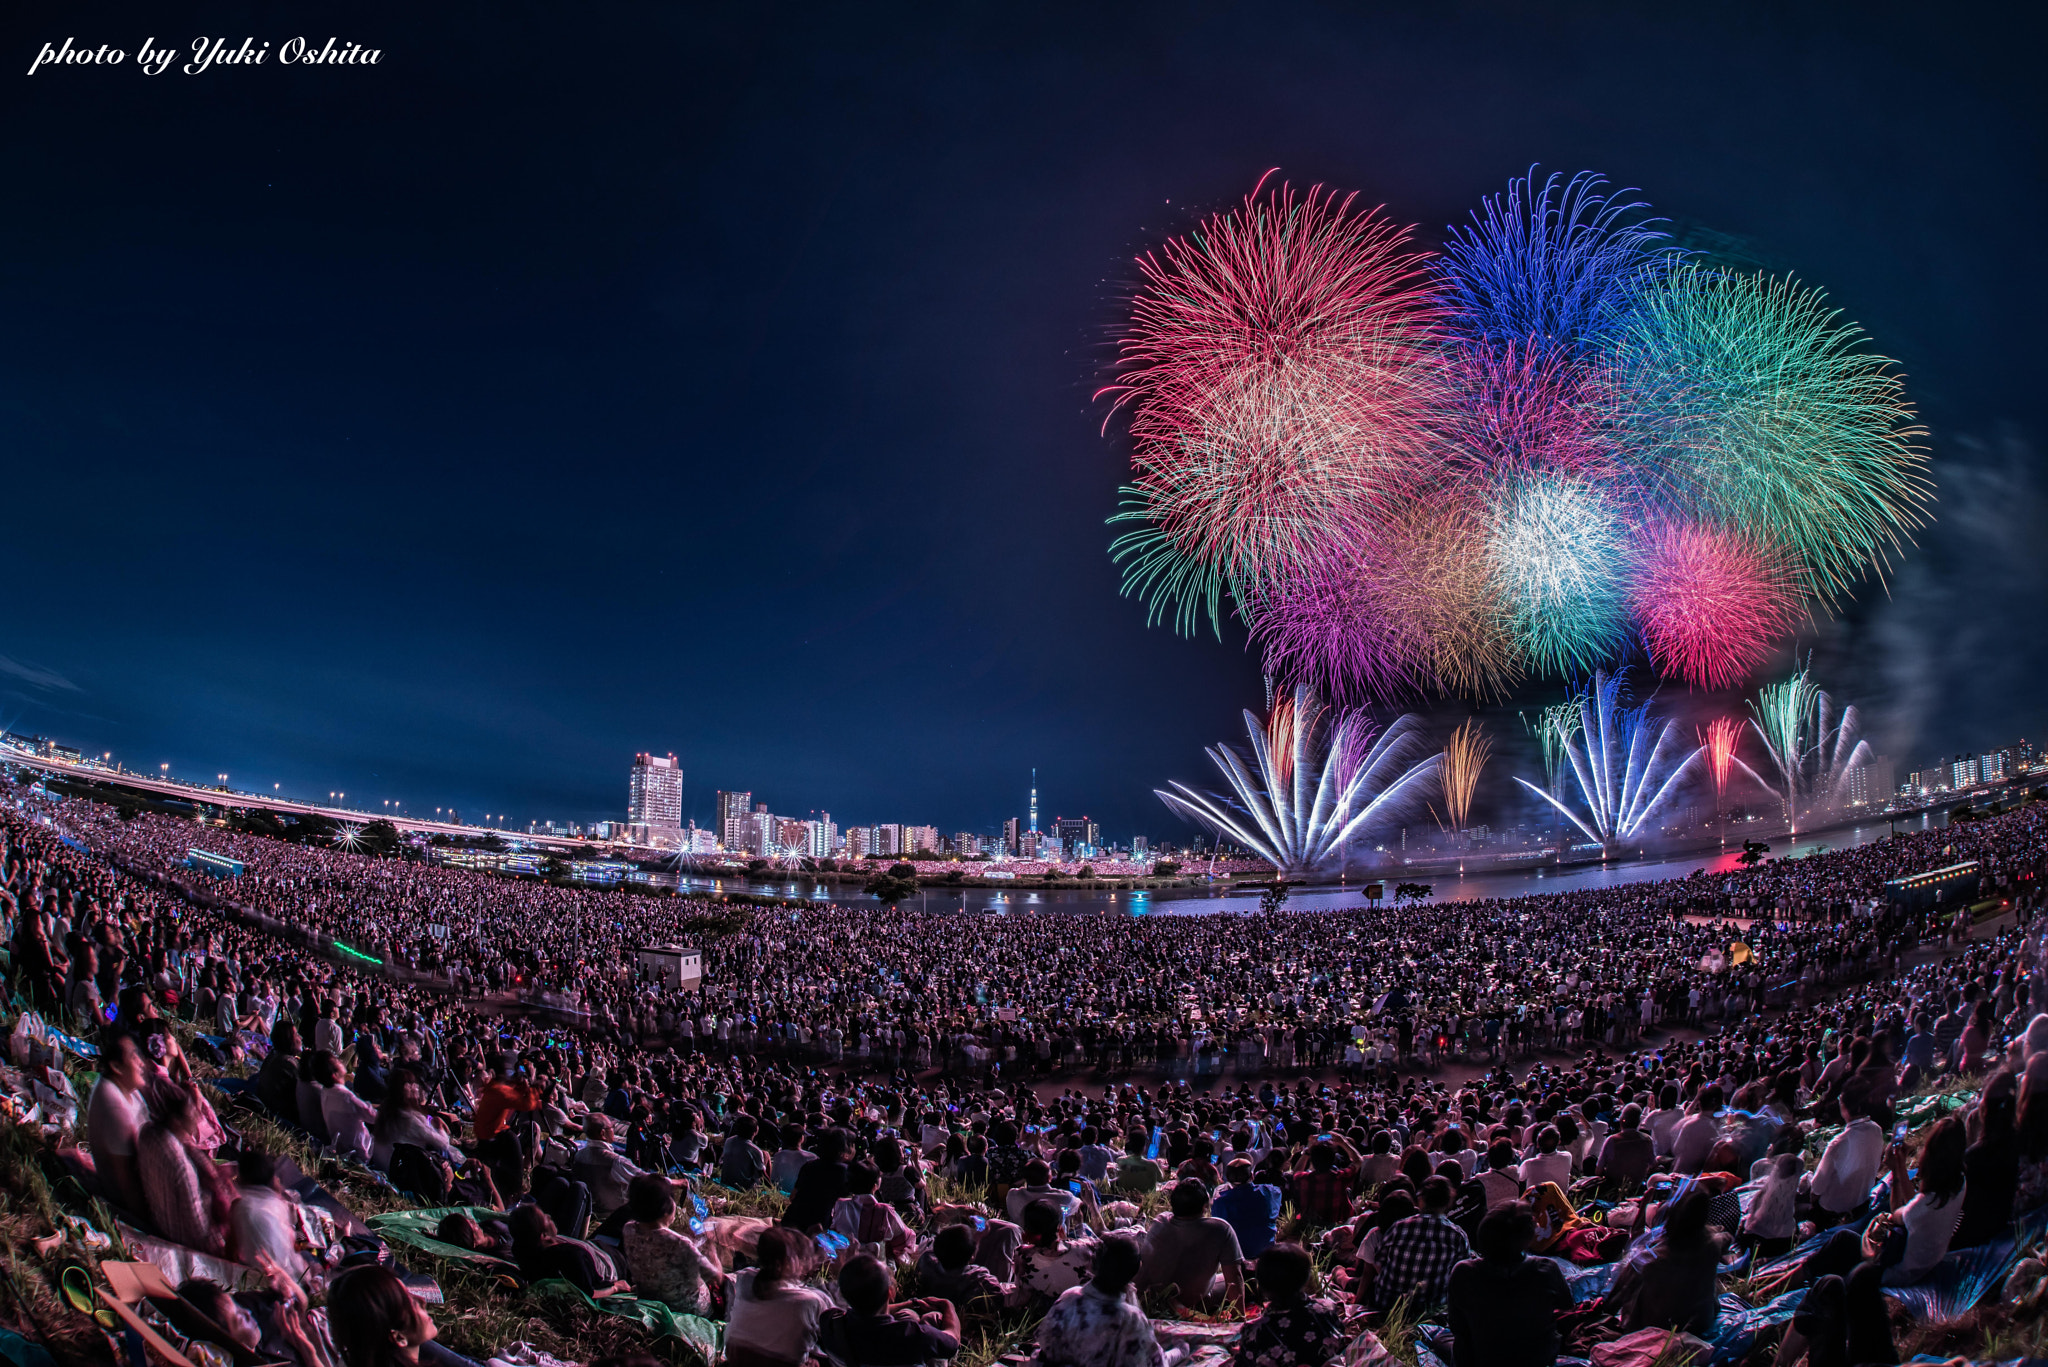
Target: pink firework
1710, 601
1281, 376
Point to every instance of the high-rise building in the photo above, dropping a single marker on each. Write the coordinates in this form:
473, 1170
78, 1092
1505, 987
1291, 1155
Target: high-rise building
1962, 772
1034, 802
654, 793
917, 838
1997, 764
860, 841
791, 834
1077, 835
1012, 829
1871, 783
966, 843
759, 835
889, 839
732, 817
1139, 847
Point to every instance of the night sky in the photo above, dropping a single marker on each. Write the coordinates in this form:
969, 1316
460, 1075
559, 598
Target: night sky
584, 380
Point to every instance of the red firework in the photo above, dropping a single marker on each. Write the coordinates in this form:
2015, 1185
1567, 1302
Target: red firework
1281, 375
1710, 601
1718, 740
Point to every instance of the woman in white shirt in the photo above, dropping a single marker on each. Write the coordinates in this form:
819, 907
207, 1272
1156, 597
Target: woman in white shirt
1662, 1123
1931, 1217
346, 1115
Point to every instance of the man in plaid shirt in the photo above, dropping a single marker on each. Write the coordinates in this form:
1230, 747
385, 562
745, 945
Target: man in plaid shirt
1416, 1255
1322, 1190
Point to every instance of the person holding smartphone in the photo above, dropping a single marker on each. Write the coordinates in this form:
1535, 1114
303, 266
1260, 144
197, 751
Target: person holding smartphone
1038, 1187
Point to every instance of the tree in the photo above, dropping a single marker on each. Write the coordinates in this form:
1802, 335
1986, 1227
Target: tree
1412, 892
901, 870
380, 838
1087, 871
756, 865
1275, 895
1165, 868
1753, 852
889, 889
257, 821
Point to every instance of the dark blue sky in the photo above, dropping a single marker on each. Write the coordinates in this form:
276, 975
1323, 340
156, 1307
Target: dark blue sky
716, 379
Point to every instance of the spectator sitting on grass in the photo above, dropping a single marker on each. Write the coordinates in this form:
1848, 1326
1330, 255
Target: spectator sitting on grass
871, 1332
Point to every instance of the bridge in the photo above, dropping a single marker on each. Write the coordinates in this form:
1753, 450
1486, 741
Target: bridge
214, 795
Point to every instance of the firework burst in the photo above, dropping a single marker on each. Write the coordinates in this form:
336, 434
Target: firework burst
1280, 374
1406, 607
1759, 409
1709, 602
1556, 550
1555, 444
1558, 264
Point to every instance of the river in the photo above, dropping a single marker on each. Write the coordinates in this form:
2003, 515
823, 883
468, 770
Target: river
1445, 886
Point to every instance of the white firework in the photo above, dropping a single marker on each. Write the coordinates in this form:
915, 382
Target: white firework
1317, 780
1626, 763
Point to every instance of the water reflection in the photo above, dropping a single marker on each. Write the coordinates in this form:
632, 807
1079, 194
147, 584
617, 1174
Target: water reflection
1445, 886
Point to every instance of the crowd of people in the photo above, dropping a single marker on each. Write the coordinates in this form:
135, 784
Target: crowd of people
984, 1105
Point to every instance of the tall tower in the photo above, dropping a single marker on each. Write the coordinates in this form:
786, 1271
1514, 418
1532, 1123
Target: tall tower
1034, 801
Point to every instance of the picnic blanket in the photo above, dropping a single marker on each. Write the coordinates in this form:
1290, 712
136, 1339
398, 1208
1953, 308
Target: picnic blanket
705, 1337
416, 1229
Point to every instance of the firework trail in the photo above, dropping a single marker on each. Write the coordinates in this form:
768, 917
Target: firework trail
1554, 727
1780, 716
1314, 783
1839, 749
1813, 745
1626, 763
1717, 744
1464, 757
